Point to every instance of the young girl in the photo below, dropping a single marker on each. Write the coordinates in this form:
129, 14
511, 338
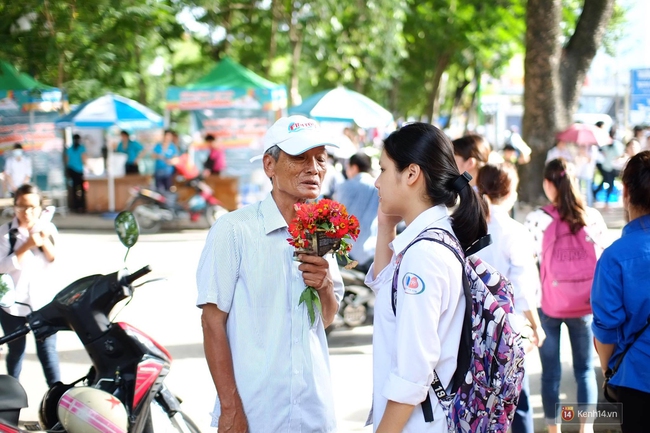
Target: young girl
561, 189
27, 263
621, 300
419, 180
513, 254
471, 152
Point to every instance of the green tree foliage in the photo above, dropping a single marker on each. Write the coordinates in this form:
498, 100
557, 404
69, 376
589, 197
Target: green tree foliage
420, 58
87, 48
470, 37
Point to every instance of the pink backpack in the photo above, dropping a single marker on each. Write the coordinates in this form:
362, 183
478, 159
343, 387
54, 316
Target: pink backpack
567, 269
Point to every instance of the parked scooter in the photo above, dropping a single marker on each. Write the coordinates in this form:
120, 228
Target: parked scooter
124, 391
152, 208
358, 303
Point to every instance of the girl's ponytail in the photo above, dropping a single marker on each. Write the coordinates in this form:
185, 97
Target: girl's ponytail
469, 220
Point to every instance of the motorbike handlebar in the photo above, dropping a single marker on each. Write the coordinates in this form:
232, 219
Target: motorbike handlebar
14, 335
128, 279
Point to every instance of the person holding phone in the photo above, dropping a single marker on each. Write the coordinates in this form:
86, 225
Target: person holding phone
27, 251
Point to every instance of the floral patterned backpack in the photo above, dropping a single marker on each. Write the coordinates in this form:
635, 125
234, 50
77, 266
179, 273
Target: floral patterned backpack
490, 370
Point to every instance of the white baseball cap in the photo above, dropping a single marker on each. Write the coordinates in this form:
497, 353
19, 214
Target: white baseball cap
295, 135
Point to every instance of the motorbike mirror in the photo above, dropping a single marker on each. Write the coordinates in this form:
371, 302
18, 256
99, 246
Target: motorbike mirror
7, 291
127, 228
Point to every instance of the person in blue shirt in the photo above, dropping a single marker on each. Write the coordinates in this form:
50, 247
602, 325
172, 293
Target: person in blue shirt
166, 156
359, 195
75, 159
133, 150
620, 299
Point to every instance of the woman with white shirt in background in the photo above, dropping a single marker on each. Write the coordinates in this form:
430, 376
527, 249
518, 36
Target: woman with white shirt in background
419, 181
27, 261
512, 253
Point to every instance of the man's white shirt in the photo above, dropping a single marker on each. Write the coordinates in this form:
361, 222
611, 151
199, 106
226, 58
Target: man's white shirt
281, 364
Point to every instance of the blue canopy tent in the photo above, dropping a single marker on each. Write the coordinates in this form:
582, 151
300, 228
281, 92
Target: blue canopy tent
344, 105
111, 111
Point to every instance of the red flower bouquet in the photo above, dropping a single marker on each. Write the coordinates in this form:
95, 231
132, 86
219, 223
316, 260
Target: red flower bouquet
319, 228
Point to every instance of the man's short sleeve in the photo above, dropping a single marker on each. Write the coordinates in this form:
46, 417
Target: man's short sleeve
218, 269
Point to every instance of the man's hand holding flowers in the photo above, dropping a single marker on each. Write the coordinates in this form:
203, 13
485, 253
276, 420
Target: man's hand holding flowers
315, 272
331, 222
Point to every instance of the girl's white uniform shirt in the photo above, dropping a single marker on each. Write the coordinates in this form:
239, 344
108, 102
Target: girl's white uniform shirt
425, 333
32, 277
512, 253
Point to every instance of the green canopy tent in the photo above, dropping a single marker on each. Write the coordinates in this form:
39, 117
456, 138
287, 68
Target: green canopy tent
235, 105
232, 75
228, 85
12, 80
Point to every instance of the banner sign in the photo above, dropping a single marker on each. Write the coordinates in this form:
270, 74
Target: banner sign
40, 134
234, 128
197, 99
38, 100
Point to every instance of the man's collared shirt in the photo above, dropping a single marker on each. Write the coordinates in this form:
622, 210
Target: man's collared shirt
361, 199
281, 364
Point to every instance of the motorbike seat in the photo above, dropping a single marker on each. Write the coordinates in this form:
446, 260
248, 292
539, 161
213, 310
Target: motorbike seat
12, 399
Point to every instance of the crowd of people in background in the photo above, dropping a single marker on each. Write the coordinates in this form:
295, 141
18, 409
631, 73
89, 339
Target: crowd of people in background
420, 173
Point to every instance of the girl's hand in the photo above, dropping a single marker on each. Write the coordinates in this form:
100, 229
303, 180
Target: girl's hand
387, 221
36, 239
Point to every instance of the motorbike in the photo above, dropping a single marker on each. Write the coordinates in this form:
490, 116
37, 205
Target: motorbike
124, 390
153, 208
358, 303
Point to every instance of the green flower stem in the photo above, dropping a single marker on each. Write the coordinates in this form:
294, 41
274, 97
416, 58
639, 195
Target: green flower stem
310, 297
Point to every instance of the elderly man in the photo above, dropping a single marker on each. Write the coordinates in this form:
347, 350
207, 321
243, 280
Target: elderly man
269, 366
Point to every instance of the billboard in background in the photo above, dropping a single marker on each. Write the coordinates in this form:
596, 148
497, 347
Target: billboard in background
640, 96
240, 133
233, 128
36, 132
25, 100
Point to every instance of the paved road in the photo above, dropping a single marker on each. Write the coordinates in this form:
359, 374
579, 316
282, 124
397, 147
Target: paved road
166, 311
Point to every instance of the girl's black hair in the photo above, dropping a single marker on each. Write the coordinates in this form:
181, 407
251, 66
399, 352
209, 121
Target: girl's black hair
429, 148
569, 202
636, 178
27, 188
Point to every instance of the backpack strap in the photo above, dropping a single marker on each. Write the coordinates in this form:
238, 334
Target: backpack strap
550, 210
636, 337
13, 236
437, 235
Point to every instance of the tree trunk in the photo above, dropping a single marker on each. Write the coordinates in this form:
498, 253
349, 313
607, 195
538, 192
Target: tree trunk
142, 86
294, 91
553, 79
273, 44
295, 40
580, 51
461, 84
433, 106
